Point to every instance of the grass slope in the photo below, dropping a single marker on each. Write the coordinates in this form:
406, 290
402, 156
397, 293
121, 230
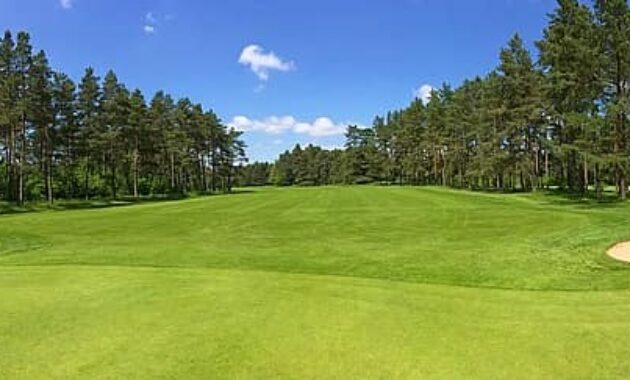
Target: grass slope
363, 282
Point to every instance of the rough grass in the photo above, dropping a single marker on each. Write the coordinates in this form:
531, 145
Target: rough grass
362, 282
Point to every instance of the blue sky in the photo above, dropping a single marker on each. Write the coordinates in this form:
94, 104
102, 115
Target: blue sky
287, 71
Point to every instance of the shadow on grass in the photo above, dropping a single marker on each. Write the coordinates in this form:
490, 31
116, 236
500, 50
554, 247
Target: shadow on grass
590, 200
553, 196
76, 204
558, 197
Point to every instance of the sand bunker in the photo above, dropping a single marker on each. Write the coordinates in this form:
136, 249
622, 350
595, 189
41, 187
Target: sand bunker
620, 252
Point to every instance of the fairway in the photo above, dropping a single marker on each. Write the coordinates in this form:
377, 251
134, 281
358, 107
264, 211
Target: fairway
336, 282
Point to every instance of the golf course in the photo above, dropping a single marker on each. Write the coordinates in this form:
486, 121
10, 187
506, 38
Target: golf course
314, 189
331, 282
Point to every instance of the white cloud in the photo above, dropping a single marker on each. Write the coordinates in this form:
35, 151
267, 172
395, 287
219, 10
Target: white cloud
149, 29
152, 21
150, 18
330, 146
322, 126
66, 4
275, 125
262, 63
423, 93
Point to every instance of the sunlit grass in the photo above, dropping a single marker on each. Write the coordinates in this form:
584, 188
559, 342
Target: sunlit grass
361, 282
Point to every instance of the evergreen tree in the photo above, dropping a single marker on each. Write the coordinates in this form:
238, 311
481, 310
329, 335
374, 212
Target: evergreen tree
133, 135
23, 59
41, 117
88, 114
572, 60
522, 112
9, 117
67, 135
613, 19
100, 140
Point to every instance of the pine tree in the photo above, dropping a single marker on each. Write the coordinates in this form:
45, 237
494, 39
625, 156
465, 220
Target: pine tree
41, 117
114, 119
435, 142
23, 59
133, 134
522, 106
88, 113
9, 118
102, 140
613, 18
570, 53
67, 132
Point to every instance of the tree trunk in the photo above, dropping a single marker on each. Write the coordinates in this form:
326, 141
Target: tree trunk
114, 190
586, 179
22, 161
49, 175
546, 168
12, 193
86, 187
203, 172
213, 165
172, 171
598, 183
135, 173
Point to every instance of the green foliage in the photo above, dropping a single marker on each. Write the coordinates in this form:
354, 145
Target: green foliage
525, 126
98, 139
256, 174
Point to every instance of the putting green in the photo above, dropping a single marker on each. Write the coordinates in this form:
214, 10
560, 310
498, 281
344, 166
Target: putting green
361, 282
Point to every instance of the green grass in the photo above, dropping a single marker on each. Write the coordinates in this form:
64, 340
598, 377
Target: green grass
81, 204
361, 282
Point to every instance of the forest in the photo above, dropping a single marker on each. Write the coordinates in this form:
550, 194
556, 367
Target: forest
556, 120
98, 139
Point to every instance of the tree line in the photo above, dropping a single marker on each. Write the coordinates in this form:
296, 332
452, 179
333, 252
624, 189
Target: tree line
559, 120
96, 138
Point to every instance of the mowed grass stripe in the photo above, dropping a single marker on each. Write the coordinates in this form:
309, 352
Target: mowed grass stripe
361, 282
402, 234
189, 323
